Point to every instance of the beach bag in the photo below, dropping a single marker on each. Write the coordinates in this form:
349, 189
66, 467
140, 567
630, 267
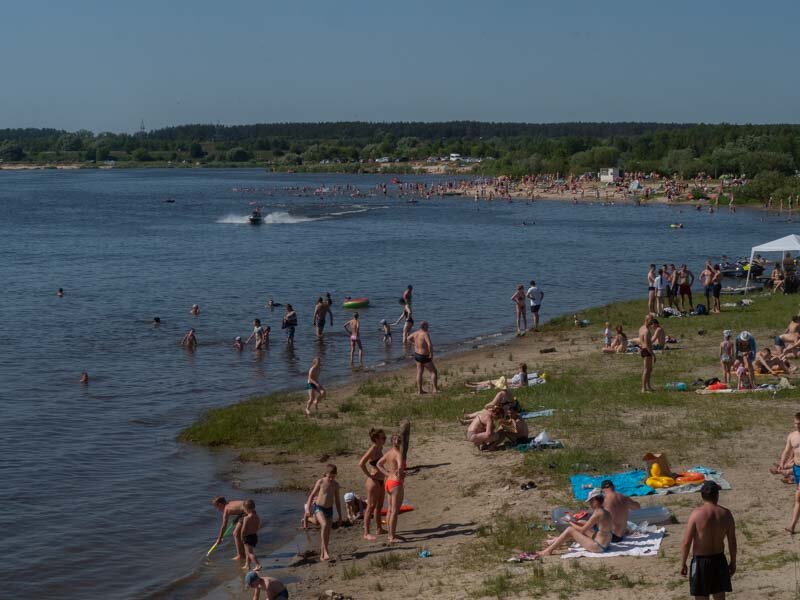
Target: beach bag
700, 309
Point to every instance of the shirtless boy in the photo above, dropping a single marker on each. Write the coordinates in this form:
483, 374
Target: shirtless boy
646, 352
706, 530
321, 500
315, 390
423, 356
352, 329
274, 589
619, 506
790, 459
233, 509
250, 526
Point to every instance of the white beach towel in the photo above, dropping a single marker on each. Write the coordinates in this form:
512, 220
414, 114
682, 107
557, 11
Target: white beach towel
635, 544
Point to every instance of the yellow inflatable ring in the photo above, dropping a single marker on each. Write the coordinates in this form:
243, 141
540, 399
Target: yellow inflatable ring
660, 482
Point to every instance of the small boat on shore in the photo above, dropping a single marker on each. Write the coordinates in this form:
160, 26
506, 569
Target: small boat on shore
255, 217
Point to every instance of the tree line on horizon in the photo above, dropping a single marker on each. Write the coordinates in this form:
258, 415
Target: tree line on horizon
767, 153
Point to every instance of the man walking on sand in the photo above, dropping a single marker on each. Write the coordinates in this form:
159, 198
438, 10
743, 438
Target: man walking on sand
619, 507
790, 459
423, 356
646, 352
706, 530
535, 295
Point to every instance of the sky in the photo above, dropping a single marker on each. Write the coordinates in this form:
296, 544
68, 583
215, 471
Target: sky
106, 66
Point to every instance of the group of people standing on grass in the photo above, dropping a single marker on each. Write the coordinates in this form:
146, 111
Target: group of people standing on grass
670, 287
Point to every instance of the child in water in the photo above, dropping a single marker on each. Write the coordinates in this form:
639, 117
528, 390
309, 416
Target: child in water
387, 332
250, 526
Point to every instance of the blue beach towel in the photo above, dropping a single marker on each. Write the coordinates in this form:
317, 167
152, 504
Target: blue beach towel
629, 483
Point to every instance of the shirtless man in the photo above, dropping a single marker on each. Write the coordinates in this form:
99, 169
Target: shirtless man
423, 356
659, 338
315, 390
685, 281
321, 310
321, 501
706, 278
651, 289
706, 530
646, 352
233, 509
790, 459
481, 431
619, 506
791, 336
768, 363
352, 329
518, 298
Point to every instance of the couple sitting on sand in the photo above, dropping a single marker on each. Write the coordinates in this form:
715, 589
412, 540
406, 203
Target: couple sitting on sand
608, 523
498, 422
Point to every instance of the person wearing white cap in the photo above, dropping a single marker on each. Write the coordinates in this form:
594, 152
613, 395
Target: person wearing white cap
354, 506
746, 352
600, 523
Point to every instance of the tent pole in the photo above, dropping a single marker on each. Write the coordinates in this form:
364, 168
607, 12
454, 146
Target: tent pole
749, 268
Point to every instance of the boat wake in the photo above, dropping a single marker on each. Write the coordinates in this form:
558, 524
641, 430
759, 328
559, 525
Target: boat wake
280, 217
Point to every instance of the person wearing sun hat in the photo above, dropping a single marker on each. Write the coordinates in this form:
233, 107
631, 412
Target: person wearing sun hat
273, 588
594, 535
746, 352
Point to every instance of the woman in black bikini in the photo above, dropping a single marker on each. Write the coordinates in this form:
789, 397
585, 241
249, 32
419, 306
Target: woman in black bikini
374, 483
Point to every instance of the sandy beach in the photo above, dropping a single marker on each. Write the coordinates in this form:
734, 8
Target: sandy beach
470, 513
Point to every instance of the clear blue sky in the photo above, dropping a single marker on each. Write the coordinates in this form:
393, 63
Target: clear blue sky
105, 65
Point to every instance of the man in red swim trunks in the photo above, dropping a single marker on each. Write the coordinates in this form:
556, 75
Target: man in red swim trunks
423, 356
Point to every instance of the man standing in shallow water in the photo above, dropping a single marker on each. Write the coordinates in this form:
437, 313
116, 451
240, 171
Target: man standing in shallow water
423, 356
706, 530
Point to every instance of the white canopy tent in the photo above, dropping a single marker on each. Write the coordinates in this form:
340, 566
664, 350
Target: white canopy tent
789, 243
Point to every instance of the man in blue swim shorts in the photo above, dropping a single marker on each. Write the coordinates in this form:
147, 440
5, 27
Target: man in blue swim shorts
790, 457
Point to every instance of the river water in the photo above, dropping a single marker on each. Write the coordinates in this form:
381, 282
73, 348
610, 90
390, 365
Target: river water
100, 500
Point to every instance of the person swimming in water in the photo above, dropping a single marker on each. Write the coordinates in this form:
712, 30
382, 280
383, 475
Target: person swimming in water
195, 310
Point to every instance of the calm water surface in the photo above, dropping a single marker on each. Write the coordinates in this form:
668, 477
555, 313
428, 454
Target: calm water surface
96, 488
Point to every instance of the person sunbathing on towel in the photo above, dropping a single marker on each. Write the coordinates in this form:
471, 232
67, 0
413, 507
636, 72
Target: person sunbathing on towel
595, 535
481, 431
767, 363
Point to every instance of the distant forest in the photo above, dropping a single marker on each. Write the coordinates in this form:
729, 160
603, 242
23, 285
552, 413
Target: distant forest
769, 152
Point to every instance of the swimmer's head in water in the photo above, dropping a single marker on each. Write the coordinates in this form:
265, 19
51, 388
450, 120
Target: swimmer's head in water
238, 338
251, 578
156, 319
